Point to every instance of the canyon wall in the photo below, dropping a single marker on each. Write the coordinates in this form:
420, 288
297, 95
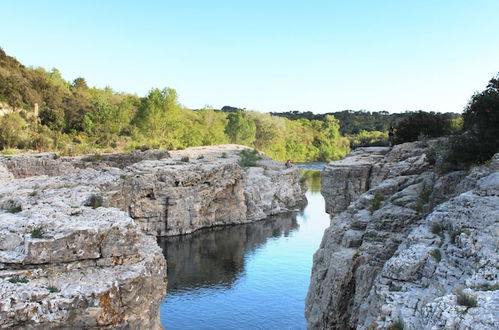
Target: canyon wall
414, 248
77, 234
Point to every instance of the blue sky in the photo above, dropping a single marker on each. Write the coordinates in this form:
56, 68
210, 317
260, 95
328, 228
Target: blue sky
267, 55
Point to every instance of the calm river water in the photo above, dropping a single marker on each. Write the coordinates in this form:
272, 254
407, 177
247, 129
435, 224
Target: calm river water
252, 276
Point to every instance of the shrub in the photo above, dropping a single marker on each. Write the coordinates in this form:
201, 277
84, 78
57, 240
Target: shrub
33, 193
184, 159
480, 121
15, 209
248, 158
52, 289
224, 155
435, 253
465, 299
94, 201
18, 279
397, 325
437, 229
376, 202
37, 233
200, 157
424, 197
424, 124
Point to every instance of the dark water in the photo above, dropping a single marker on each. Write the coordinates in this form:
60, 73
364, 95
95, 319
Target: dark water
252, 276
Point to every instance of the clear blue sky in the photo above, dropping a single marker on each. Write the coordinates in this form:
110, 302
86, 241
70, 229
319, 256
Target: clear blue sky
267, 55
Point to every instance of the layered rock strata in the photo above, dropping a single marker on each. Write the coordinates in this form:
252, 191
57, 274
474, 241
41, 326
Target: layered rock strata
417, 249
74, 249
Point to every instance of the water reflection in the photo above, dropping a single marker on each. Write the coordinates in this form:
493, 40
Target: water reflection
252, 276
313, 178
215, 257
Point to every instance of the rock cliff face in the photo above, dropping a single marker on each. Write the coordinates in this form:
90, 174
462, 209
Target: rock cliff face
73, 245
416, 247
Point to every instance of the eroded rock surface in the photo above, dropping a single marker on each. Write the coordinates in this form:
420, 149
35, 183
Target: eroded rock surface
64, 264
407, 248
74, 249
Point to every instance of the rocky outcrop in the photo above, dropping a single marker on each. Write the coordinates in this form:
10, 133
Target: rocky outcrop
65, 264
345, 180
73, 245
418, 248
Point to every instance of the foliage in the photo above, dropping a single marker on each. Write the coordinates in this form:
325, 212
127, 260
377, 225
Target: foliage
15, 209
480, 121
368, 139
12, 132
184, 159
240, 128
465, 299
37, 233
248, 158
428, 124
435, 253
52, 289
94, 201
376, 202
18, 279
424, 197
397, 325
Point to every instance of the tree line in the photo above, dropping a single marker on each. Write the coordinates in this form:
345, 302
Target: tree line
76, 119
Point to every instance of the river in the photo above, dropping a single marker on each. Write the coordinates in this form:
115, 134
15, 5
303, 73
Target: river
252, 276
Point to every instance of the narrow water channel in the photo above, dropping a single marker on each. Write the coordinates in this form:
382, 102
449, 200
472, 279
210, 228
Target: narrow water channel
252, 276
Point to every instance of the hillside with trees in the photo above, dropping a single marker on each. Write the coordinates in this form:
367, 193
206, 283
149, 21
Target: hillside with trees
48, 113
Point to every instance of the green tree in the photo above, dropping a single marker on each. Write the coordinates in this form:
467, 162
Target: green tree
12, 130
240, 129
158, 115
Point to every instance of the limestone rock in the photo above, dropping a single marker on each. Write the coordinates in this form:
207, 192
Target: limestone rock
73, 245
409, 255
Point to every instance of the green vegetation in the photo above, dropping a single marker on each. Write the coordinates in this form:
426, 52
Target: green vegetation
376, 202
248, 158
426, 125
435, 253
465, 299
14, 209
75, 119
37, 233
94, 201
397, 325
313, 179
184, 159
424, 197
52, 289
18, 279
480, 140
33, 193
437, 229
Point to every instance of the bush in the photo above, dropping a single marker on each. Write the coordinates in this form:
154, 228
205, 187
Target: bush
184, 159
37, 233
18, 279
427, 124
480, 121
94, 201
435, 253
12, 130
465, 299
52, 289
248, 158
376, 202
397, 325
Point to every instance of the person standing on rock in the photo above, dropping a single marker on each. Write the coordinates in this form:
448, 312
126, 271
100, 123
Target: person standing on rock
391, 137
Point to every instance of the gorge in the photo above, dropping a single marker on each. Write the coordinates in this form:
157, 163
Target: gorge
78, 233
